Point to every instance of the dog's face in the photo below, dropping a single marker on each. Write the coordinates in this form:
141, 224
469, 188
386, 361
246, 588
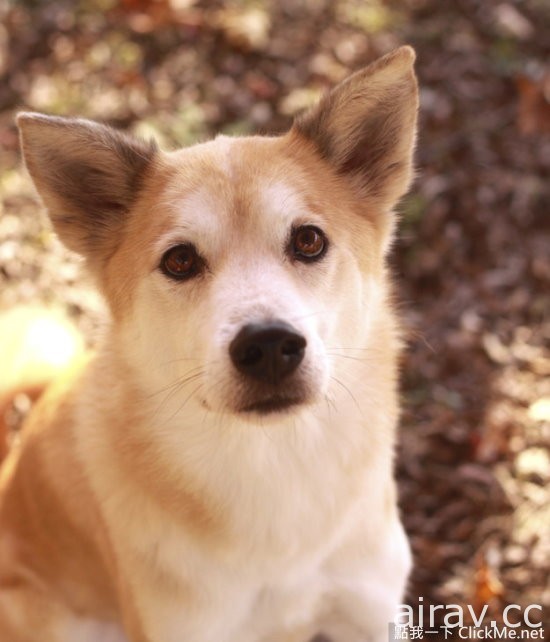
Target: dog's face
239, 271
247, 276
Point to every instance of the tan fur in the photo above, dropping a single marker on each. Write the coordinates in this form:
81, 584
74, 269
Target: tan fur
143, 504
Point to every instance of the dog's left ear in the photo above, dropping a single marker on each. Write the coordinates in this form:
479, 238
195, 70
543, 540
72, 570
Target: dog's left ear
366, 127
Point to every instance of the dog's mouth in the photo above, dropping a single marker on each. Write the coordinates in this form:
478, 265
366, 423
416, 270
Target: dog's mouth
274, 404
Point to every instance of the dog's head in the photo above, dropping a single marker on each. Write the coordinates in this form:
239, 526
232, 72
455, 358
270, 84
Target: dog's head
238, 270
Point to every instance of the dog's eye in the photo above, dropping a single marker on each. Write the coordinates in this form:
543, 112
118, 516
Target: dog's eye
308, 243
181, 262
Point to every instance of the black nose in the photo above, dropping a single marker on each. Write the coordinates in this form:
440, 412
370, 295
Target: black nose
267, 351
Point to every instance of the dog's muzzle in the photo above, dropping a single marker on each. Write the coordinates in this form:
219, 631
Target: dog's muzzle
267, 352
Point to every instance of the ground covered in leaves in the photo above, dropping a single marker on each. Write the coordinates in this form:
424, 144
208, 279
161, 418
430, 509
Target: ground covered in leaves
472, 261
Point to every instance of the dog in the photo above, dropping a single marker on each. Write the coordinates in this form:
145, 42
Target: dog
221, 468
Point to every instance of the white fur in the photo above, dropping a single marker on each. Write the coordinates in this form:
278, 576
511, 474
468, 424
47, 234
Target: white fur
284, 470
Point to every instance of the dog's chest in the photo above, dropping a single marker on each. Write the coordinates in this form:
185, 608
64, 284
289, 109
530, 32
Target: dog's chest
290, 505
272, 582
238, 610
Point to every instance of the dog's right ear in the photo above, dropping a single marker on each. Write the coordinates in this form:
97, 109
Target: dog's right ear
87, 176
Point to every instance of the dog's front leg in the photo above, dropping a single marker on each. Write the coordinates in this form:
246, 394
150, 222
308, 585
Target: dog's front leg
183, 612
361, 613
368, 581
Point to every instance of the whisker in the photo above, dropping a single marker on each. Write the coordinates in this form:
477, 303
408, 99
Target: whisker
190, 373
356, 349
176, 387
167, 363
182, 406
330, 403
371, 392
349, 392
349, 356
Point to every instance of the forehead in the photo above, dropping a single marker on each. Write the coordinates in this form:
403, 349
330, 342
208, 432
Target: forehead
235, 182
227, 161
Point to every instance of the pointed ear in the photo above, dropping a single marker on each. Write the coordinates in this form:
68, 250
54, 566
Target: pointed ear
366, 127
88, 176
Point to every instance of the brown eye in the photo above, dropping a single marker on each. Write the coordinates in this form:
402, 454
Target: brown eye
308, 243
181, 262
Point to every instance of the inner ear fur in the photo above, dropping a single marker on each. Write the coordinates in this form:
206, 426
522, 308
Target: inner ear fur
88, 176
366, 127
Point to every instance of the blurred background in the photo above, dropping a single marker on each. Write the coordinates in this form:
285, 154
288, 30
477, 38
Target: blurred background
472, 260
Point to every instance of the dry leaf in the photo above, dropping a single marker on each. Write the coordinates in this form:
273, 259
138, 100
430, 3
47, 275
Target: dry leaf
534, 104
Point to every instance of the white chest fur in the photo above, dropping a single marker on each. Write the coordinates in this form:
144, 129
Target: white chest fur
293, 493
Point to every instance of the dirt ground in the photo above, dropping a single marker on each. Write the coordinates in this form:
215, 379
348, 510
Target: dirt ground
472, 261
